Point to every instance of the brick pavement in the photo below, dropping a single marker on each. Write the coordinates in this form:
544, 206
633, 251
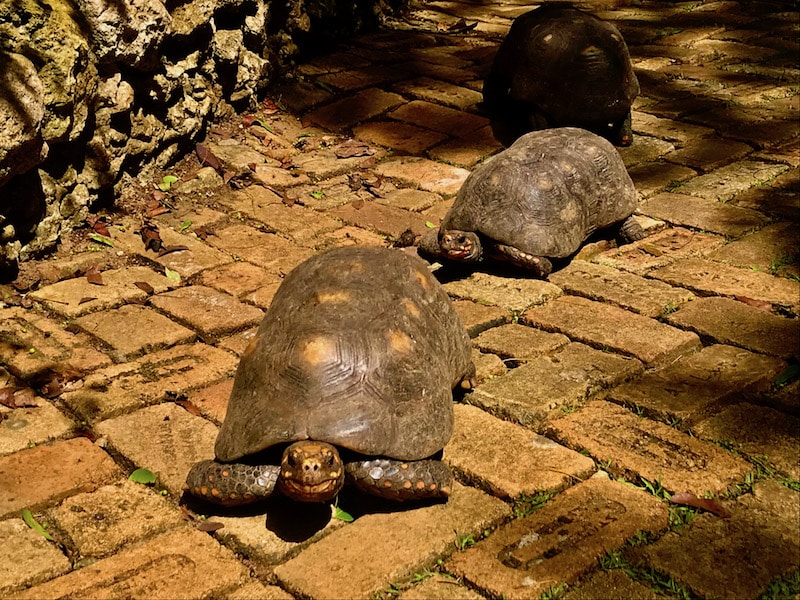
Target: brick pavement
665, 364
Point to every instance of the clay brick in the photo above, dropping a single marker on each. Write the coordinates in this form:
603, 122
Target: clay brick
423, 173
757, 431
724, 183
768, 249
667, 128
440, 587
21, 428
646, 149
438, 118
479, 317
237, 278
469, 150
509, 293
362, 77
659, 249
560, 541
131, 330
702, 213
397, 543
482, 444
361, 106
708, 154
384, 219
519, 342
709, 277
440, 92
637, 446
175, 441
149, 379
30, 343
179, 564
271, 252
487, 366
255, 590
737, 556
530, 393
325, 163
727, 321
626, 290
101, 522
410, 199
403, 137
26, 558
652, 177
610, 585
206, 310
700, 383
606, 326
46, 474
75, 297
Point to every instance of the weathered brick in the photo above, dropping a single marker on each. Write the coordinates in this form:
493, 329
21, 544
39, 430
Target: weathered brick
175, 441
610, 585
384, 219
606, 326
469, 150
479, 317
700, 383
718, 558
31, 343
438, 118
707, 154
560, 541
519, 342
237, 278
133, 329
373, 75
359, 107
75, 297
724, 183
652, 177
432, 90
423, 173
324, 163
23, 427
513, 294
46, 474
179, 564
702, 213
487, 366
481, 447
757, 431
637, 446
410, 199
626, 290
26, 558
779, 197
440, 587
101, 522
771, 249
404, 137
267, 250
149, 379
646, 149
528, 394
667, 128
709, 277
397, 543
727, 321
659, 249
206, 310
255, 590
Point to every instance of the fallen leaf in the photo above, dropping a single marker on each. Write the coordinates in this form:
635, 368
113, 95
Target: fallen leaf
203, 232
208, 158
142, 476
248, 120
151, 237
461, 27
341, 515
94, 277
86, 299
227, 176
430, 225
352, 148
288, 200
98, 225
144, 286
167, 249
53, 381
355, 181
100, 239
190, 407
209, 526
759, 304
31, 522
707, 504
17, 397
173, 276
268, 107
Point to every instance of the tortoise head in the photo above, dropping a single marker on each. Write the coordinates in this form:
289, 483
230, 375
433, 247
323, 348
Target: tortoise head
458, 245
311, 472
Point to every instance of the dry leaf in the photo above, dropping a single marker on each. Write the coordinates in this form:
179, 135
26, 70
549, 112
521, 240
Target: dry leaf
93, 276
208, 158
86, 299
167, 249
144, 286
17, 397
160, 210
98, 225
759, 304
190, 407
150, 237
707, 504
209, 526
352, 148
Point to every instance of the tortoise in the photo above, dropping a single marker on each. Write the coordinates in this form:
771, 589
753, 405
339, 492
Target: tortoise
561, 67
350, 375
538, 200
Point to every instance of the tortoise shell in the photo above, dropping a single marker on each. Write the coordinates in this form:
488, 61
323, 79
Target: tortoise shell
360, 348
561, 67
546, 193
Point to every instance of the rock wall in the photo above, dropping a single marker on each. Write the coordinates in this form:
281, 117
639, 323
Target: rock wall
92, 89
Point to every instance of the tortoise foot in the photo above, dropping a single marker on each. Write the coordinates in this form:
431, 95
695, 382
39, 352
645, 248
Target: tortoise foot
538, 265
231, 484
401, 480
630, 231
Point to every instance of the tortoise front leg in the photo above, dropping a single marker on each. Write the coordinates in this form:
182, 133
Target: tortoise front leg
231, 484
401, 480
539, 265
629, 231
625, 132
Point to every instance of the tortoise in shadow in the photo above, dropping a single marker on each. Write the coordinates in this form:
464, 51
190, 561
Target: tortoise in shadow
561, 67
356, 358
538, 200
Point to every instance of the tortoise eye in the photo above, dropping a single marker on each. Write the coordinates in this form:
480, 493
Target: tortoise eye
291, 460
329, 460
